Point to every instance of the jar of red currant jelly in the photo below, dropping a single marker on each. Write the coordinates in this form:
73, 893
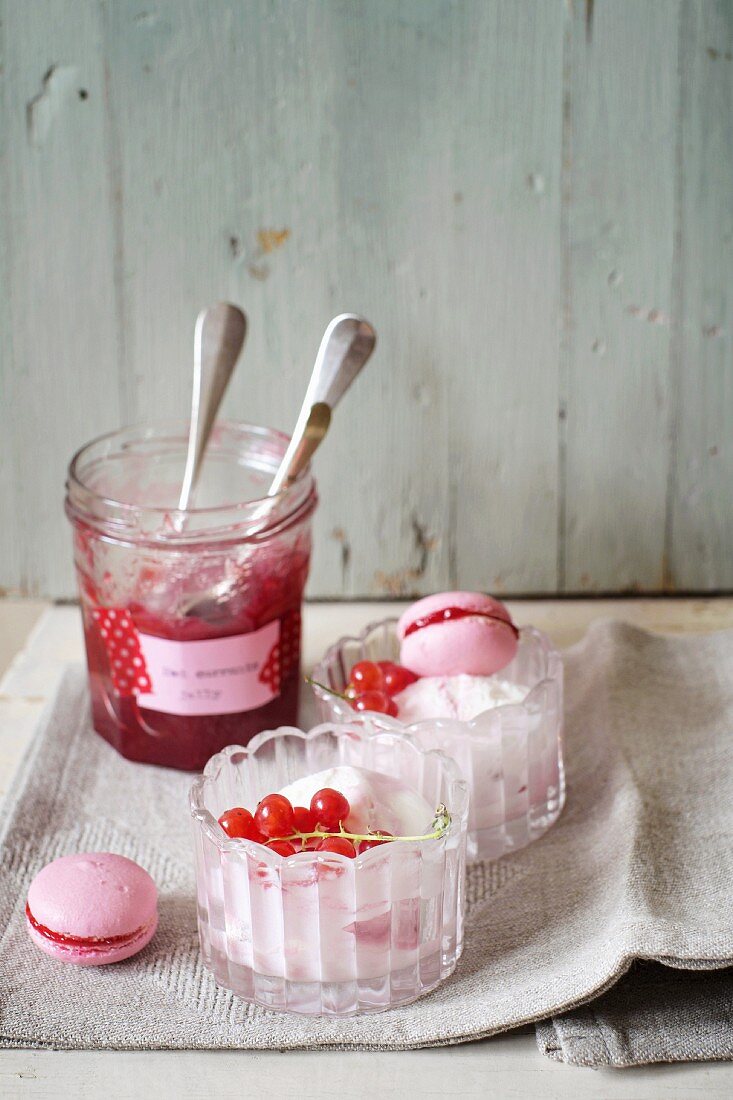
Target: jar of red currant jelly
191, 620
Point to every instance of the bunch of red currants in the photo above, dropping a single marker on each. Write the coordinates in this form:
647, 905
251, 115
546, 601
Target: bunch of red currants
288, 829
373, 685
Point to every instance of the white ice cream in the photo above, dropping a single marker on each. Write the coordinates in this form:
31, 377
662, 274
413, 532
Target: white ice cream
462, 697
377, 801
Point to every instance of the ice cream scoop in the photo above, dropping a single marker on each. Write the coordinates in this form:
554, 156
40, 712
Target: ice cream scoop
459, 697
457, 632
378, 802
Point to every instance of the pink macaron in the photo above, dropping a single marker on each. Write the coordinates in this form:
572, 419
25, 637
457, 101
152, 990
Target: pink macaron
92, 908
457, 632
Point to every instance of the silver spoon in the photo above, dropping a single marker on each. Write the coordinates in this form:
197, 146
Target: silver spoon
346, 345
218, 339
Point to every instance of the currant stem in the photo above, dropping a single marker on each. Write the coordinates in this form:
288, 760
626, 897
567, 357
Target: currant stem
330, 691
441, 824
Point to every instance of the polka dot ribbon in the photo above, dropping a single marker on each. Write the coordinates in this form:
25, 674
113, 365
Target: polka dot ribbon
284, 655
121, 641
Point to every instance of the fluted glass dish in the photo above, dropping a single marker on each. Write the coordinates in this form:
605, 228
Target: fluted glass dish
510, 755
319, 933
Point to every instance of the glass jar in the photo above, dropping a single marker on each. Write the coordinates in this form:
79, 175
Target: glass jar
191, 620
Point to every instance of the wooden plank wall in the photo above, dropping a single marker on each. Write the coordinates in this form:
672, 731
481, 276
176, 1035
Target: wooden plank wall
531, 200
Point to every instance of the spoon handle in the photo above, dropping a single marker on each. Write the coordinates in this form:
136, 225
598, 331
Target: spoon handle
346, 346
218, 339
313, 435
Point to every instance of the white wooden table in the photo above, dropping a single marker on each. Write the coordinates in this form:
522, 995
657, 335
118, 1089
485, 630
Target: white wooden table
43, 639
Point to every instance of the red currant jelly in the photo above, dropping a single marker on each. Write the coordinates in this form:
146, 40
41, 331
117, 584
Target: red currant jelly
191, 621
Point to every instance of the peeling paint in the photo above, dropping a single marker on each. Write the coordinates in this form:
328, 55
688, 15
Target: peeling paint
259, 271
271, 239
615, 278
421, 395
402, 581
41, 111
536, 183
339, 535
399, 583
147, 18
589, 21
653, 316
667, 575
599, 348
268, 241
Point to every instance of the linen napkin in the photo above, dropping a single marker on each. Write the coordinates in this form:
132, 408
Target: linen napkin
655, 1013
639, 866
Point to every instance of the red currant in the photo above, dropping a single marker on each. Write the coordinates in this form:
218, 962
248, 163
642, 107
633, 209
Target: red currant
274, 816
365, 845
329, 808
282, 847
239, 822
366, 676
338, 844
305, 820
377, 701
396, 677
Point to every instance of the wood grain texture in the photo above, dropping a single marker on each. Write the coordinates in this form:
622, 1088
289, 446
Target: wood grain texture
60, 371
533, 208
10, 565
700, 522
505, 293
619, 256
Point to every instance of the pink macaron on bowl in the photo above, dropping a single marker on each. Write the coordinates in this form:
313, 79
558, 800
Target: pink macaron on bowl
510, 755
315, 932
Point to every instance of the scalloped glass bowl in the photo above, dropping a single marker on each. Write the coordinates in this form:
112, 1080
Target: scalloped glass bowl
510, 756
319, 933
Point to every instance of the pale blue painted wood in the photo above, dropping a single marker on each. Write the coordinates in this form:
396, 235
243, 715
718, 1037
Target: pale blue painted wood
303, 118
622, 125
700, 519
498, 191
502, 277
9, 541
59, 354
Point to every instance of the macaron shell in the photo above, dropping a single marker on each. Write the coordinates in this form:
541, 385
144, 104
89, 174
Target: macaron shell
93, 895
476, 646
93, 956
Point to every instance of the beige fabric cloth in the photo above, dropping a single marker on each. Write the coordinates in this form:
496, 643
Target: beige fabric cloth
655, 1013
638, 866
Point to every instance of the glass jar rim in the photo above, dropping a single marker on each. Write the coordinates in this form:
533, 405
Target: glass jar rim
155, 524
